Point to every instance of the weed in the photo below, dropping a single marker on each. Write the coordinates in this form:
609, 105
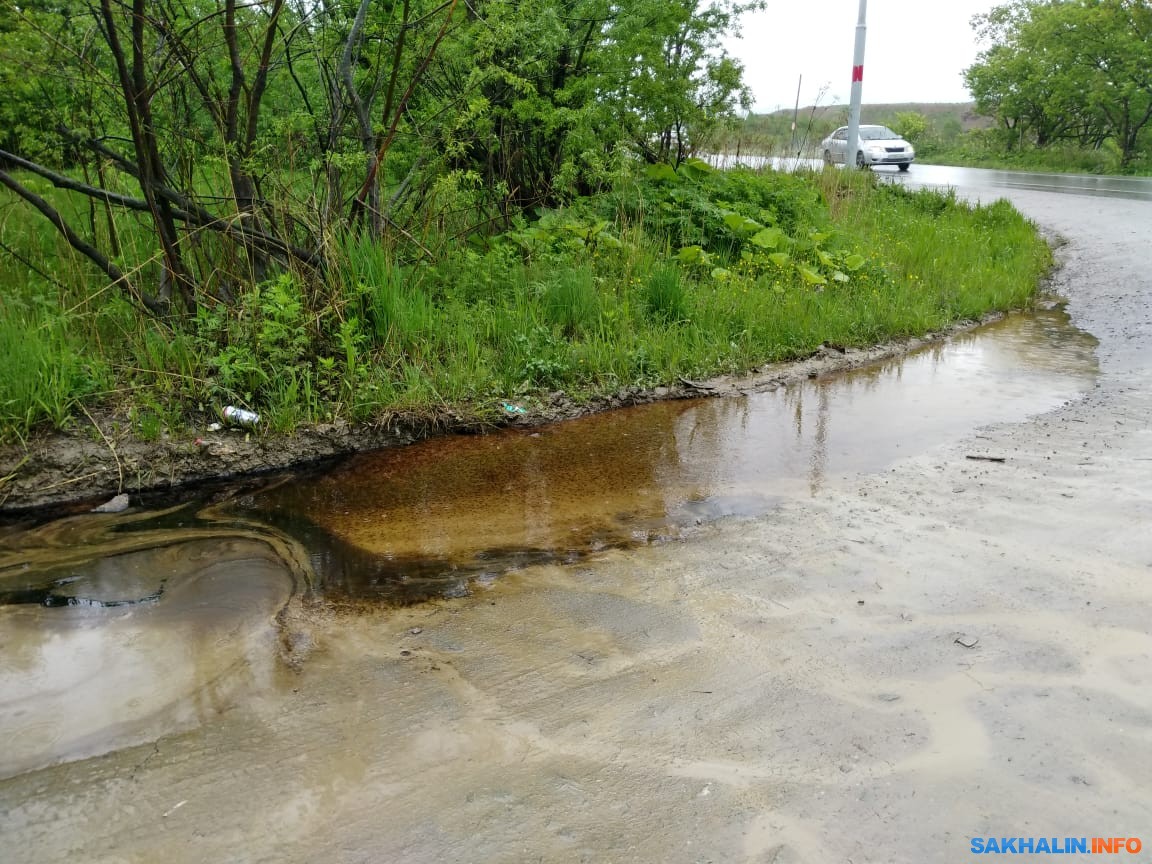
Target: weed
664, 294
571, 302
43, 370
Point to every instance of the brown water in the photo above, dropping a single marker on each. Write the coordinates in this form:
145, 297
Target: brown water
407, 523
428, 518
117, 629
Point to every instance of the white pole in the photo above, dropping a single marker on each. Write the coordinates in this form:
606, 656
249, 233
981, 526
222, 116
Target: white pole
796, 116
857, 87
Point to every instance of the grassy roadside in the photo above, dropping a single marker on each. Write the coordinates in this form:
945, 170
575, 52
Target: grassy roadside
1052, 160
672, 274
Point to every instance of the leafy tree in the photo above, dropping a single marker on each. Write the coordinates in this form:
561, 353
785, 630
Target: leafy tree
910, 125
1067, 70
246, 137
674, 81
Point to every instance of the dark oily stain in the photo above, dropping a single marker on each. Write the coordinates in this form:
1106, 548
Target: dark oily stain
345, 571
51, 598
107, 561
100, 582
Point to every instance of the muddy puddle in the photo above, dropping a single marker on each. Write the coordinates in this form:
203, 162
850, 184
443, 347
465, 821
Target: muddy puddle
114, 629
405, 524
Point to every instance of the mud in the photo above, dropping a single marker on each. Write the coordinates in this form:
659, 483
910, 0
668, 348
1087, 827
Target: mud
792, 686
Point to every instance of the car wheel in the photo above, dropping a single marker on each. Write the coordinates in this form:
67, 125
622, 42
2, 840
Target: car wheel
860, 163
905, 166
827, 157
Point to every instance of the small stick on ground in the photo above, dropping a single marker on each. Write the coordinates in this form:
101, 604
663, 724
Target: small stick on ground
15, 470
987, 458
111, 449
696, 384
87, 476
7, 478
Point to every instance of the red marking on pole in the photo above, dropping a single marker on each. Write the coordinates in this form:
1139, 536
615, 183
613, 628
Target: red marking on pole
857, 74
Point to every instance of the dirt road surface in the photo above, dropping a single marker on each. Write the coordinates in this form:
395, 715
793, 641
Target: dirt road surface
949, 649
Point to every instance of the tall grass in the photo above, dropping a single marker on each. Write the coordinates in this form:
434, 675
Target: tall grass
980, 151
563, 304
571, 302
43, 371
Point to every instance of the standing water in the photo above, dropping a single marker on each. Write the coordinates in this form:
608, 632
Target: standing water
427, 518
119, 628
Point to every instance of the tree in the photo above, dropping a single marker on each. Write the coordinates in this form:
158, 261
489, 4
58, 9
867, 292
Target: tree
910, 125
250, 137
674, 81
1067, 70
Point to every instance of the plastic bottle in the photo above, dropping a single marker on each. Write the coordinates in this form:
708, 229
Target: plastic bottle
240, 416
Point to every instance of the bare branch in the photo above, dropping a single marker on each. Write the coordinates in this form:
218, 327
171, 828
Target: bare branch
80, 244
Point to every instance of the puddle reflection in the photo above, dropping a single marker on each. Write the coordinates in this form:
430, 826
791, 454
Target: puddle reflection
449, 508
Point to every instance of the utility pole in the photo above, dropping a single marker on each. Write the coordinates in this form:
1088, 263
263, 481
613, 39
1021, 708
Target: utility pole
795, 117
857, 87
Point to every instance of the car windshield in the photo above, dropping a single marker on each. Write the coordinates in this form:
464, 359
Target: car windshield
876, 133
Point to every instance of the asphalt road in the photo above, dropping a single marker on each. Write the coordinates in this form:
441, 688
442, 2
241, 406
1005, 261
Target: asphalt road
982, 182
944, 650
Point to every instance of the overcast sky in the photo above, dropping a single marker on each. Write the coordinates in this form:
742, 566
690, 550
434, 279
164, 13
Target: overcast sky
916, 50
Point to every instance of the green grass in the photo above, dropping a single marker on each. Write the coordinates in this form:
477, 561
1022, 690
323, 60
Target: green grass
656, 280
1064, 159
44, 370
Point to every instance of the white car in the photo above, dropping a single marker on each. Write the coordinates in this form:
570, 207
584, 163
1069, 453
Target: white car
879, 145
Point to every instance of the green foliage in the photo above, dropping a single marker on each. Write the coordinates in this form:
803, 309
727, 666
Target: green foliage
1059, 71
252, 349
542, 359
911, 126
566, 92
586, 298
571, 230
718, 210
44, 373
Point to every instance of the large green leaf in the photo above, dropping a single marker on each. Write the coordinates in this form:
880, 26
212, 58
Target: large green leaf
694, 255
810, 276
696, 169
661, 171
769, 238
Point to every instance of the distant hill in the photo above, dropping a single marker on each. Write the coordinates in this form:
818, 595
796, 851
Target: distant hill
963, 112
